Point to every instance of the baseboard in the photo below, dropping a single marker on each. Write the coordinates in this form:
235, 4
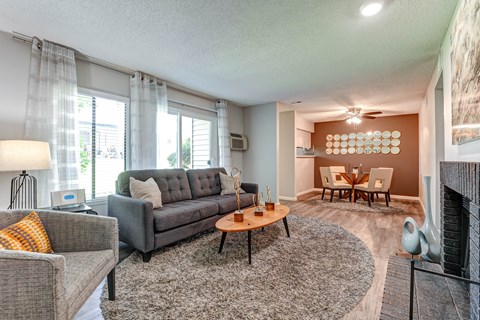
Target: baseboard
287, 198
397, 196
308, 191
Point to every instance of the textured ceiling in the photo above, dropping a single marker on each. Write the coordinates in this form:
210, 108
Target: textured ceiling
250, 52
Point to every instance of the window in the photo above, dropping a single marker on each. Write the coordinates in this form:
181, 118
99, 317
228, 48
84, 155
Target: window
195, 129
102, 142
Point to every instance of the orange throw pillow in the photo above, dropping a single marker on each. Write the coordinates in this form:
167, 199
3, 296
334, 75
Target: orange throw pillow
27, 234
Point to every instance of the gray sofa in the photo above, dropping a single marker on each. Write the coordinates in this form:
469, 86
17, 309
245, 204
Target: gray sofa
191, 203
55, 286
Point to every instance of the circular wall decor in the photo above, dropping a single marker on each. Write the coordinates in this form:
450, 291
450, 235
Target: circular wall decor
368, 143
329, 137
395, 150
336, 151
386, 134
367, 150
395, 142
377, 142
352, 135
376, 150
360, 143
359, 150
344, 137
377, 134
351, 143
386, 150
385, 142
336, 144
360, 136
336, 137
329, 151
351, 150
343, 151
344, 144
329, 144
368, 135
396, 134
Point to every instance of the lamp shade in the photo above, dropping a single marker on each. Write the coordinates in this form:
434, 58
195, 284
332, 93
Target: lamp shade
19, 155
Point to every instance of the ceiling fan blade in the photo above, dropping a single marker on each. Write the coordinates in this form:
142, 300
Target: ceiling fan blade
372, 113
368, 117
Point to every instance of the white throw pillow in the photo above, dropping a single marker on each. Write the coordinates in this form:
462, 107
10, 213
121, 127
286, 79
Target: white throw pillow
228, 183
147, 190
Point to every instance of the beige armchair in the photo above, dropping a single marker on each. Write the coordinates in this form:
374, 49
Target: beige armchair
55, 286
328, 183
378, 182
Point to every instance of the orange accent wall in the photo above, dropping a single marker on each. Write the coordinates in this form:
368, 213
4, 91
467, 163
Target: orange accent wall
404, 164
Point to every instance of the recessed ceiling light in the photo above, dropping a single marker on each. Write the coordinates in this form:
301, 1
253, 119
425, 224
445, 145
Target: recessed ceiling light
371, 8
297, 102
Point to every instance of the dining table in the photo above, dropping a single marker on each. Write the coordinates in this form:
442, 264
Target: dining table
353, 179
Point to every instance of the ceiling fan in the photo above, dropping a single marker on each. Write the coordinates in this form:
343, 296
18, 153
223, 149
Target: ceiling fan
354, 115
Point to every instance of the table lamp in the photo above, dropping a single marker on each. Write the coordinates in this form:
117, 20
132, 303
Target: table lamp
23, 155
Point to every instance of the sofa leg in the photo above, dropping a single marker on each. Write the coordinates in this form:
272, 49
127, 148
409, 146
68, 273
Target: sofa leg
111, 285
146, 256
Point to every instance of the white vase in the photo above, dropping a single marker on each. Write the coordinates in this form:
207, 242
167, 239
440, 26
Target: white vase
425, 240
429, 235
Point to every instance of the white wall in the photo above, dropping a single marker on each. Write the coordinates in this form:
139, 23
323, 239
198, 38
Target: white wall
260, 125
466, 152
286, 159
304, 179
15, 63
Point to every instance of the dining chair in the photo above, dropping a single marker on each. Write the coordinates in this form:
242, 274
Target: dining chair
378, 182
389, 199
338, 178
328, 183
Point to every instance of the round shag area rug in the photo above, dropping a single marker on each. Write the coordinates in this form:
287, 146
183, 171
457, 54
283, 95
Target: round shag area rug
321, 272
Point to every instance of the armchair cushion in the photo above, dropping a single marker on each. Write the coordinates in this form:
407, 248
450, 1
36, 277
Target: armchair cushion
27, 234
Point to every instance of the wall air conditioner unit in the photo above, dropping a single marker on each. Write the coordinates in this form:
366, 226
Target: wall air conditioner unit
238, 142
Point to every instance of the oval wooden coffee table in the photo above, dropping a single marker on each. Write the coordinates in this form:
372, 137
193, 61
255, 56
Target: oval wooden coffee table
252, 222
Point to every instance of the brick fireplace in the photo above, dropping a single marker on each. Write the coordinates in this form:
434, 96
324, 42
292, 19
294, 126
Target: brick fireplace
460, 216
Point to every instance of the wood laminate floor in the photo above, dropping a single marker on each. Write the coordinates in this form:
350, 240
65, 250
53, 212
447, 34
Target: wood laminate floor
380, 232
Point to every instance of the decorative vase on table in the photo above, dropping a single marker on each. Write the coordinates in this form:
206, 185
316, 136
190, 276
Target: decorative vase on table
425, 240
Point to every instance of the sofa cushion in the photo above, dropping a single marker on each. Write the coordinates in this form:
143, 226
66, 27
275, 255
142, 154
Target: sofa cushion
146, 190
177, 214
228, 183
173, 183
228, 203
205, 182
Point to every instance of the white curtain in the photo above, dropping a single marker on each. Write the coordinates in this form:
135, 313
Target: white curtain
224, 157
148, 103
51, 115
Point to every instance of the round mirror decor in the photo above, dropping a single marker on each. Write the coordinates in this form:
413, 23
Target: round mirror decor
367, 150
329, 144
368, 135
395, 142
396, 134
343, 151
386, 150
351, 143
377, 134
386, 134
360, 143
360, 136
352, 135
336, 144
336, 137
344, 137
328, 151
344, 144
359, 150
377, 142
385, 142
336, 151
368, 143
329, 137
351, 150
376, 150
395, 150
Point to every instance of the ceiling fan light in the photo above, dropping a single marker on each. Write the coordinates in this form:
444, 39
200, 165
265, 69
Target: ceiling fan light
356, 120
371, 8
349, 120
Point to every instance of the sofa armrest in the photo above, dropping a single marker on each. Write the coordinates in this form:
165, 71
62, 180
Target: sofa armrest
77, 232
135, 220
33, 285
249, 187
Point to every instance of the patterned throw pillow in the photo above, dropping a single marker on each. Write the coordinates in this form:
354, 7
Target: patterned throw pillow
146, 190
27, 234
227, 183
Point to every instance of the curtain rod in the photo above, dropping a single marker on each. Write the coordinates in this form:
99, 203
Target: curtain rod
101, 63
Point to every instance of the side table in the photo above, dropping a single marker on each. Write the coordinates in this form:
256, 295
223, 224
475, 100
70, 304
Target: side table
77, 209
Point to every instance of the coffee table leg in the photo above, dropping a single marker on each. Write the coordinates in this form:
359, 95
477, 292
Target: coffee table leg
249, 246
222, 241
286, 226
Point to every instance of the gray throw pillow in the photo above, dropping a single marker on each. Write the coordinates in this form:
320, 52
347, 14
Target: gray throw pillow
228, 183
147, 190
